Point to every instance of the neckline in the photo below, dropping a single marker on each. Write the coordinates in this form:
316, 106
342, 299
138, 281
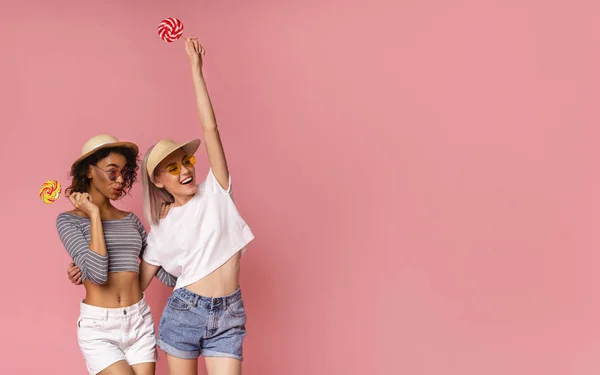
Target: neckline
87, 218
186, 203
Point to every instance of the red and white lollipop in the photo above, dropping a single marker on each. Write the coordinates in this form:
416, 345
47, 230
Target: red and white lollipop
170, 29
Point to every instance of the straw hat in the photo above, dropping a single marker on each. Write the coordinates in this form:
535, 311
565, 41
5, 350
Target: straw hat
100, 142
165, 148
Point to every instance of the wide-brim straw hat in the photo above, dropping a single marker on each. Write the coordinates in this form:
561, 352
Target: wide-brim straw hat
100, 142
165, 148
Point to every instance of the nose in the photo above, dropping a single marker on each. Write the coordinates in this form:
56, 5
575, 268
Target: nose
185, 170
120, 179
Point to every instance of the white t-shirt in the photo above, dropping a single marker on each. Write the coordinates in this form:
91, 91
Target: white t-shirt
197, 238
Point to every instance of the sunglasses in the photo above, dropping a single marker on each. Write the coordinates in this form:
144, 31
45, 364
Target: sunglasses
175, 168
114, 174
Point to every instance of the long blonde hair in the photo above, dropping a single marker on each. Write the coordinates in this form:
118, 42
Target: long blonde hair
154, 197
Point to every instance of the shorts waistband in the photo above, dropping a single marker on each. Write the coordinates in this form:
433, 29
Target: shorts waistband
208, 302
113, 312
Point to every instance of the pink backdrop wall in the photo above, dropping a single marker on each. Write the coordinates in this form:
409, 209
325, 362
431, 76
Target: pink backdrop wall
421, 176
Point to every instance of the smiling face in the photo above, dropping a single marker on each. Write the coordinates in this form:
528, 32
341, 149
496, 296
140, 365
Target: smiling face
177, 175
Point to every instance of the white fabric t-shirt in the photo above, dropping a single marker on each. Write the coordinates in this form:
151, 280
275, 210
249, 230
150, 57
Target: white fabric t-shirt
197, 238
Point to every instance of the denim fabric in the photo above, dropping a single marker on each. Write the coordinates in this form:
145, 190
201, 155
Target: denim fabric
193, 325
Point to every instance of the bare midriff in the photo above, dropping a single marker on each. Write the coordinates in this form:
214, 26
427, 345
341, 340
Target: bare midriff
221, 282
121, 290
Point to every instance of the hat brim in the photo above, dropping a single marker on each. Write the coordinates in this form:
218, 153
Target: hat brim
189, 147
129, 145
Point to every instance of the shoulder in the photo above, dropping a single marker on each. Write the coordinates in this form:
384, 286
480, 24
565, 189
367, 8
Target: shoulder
73, 214
133, 217
123, 213
67, 220
70, 216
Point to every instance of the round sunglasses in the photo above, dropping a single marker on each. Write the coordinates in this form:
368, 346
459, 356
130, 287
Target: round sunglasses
175, 168
114, 174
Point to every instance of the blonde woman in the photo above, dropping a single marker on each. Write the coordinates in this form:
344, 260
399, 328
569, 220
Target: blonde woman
199, 241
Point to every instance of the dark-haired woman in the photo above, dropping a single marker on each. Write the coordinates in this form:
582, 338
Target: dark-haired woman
115, 328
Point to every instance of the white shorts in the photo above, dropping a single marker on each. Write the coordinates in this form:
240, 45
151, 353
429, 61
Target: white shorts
107, 336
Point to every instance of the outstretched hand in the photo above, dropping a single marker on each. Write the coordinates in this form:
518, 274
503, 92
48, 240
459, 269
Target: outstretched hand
195, 51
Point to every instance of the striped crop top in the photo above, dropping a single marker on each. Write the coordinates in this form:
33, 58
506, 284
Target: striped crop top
125, 243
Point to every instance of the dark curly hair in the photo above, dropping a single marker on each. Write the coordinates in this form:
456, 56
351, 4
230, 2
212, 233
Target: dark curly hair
81, 183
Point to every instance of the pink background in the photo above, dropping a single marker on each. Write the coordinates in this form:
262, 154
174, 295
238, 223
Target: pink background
421, 176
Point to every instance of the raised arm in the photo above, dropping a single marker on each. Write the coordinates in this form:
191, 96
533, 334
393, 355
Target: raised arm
90, 257
212, 139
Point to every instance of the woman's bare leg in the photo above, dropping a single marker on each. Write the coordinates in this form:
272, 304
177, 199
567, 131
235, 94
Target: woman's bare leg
223, 366
179, 366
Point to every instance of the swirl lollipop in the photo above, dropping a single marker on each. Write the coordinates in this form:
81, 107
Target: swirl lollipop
50, 191
170, 29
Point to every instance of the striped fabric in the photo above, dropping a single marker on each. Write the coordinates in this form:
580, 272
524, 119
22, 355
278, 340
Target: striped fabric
125, 242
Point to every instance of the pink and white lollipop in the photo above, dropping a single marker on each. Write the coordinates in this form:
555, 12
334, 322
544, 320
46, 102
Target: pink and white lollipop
170, 29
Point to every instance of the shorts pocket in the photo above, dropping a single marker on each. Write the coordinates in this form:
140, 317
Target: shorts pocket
84, 322
178, 304
237, 309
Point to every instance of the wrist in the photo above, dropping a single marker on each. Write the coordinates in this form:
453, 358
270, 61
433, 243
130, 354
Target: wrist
197, 69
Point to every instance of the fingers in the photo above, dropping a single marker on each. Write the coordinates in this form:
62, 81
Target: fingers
74, 274
164, 210
73, 198
73, 271
81, 198
76, 279
192, 44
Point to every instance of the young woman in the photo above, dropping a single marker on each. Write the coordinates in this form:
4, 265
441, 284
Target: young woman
115, 328
200, 241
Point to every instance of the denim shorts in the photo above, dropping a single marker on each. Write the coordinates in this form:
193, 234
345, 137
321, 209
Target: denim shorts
192, 325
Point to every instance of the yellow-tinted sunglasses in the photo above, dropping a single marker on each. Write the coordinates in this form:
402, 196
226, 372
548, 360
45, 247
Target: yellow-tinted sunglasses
175, 168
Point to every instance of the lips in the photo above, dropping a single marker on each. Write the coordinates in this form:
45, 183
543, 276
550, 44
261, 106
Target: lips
187, 180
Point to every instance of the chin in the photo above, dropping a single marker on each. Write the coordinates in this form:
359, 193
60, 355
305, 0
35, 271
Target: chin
114, 197
190, 189
182, 190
